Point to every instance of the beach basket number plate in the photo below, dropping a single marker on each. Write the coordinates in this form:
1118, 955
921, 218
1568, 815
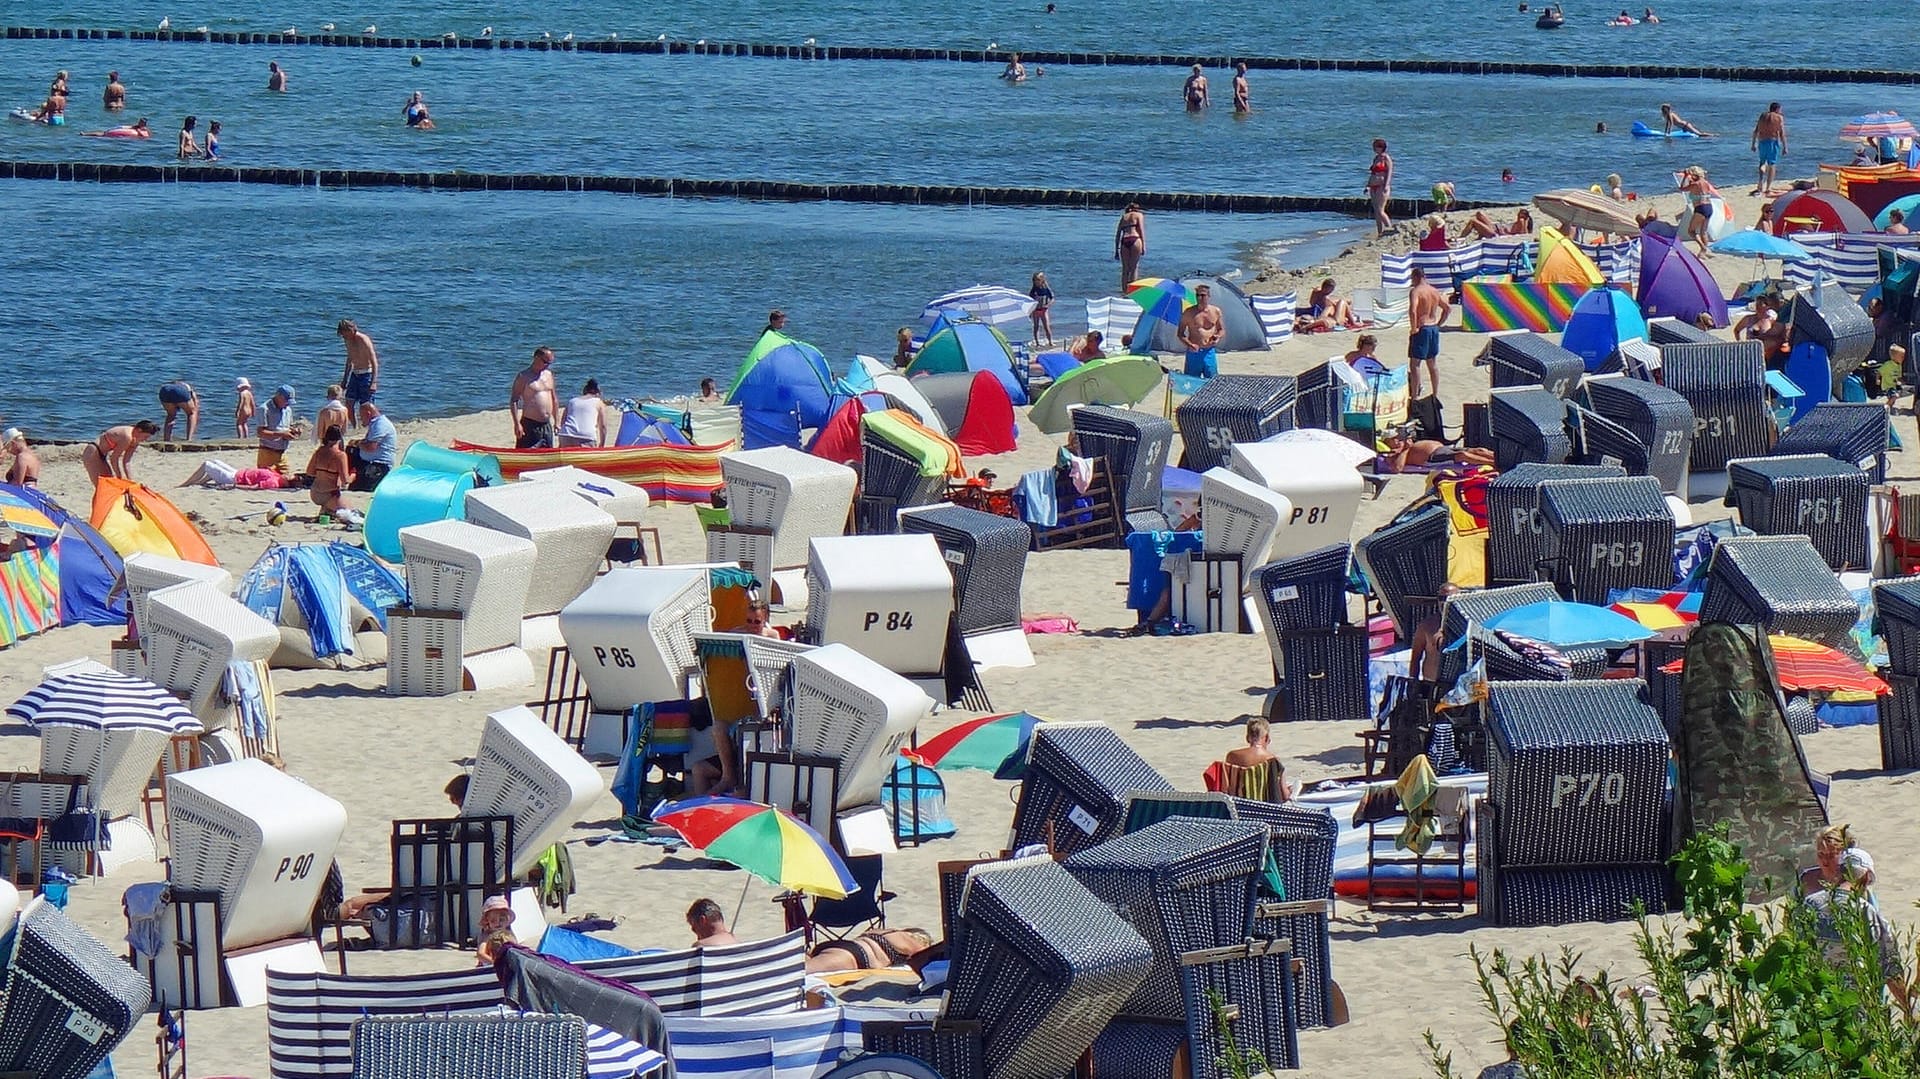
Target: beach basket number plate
1617, 554
1818, 511
1083, 820
1285, 592
1589, 788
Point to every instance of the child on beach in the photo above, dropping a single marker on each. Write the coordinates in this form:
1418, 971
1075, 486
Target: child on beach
243, 407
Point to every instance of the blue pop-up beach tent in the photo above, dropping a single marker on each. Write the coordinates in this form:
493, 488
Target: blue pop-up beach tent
1600, 322
783, 387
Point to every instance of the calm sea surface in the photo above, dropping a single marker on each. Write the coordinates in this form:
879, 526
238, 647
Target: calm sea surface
137, 284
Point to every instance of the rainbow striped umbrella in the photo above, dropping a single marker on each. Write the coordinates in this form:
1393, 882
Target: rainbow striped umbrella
982, 744
1801, 664
1161, 298
769, 843
1878, 125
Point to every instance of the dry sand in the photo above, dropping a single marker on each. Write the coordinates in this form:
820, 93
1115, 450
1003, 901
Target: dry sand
1179, 701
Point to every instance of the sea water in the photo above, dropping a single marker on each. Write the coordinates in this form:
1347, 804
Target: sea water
138, 284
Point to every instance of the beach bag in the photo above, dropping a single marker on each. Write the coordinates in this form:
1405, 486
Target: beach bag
402, 926
1425, 414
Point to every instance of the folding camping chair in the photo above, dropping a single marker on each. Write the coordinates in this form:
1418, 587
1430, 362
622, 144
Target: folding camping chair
837, 919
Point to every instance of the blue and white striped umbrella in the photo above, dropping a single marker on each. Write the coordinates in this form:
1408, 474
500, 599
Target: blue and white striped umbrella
104, 700
991, 304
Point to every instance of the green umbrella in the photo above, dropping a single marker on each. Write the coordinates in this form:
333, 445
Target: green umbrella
1116, 380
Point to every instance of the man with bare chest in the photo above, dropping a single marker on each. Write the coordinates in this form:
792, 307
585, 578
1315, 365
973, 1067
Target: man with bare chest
1201, 327
532, 403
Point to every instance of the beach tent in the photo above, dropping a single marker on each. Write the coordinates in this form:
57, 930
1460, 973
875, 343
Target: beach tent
133, 517
868, 373
1674, 283
782, 388
1601, 321
88, 566
29, 573
974, 411
1561, 262
839, 438
1818, 211
640, 429
958, 345
1244, 333
321, 595
431, 484
1739, 765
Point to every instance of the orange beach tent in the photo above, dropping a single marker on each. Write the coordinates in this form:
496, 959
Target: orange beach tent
133, 517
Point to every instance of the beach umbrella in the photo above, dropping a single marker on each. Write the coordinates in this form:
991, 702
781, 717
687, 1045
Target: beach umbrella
1346, 450
983, 744
1878, 125
1906, 204
104, 700
770, 843
1161, 298
26, 518
1115, 380
1569, 625
992, 304
1654, 616
1805, 665
1760, 245
1579, 209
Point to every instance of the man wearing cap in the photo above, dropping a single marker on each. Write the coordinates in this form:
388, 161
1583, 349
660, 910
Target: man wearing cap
1851, 900
243, 407
374, 455
278, 428
24, 469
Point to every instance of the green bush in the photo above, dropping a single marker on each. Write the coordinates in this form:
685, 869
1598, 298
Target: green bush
1730, 992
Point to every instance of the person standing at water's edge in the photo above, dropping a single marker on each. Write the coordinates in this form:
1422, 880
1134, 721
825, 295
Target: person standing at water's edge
1130, 243
360, 379
188, 147
276, 78
1201, 328
1380, 186
1195, 91
532, 403
176, 397
1770, 144
1241, 99
243, 406
1426, 310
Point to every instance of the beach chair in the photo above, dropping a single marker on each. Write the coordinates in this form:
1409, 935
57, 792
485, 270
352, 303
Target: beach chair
633, 633
1325, 494
1135, 446
1725, 383
470, 1047
1899, 714
622, 501
1835, 321
1855, 432
525, 771
1528, 425
194, 634
1896, 604
1525, 358
481, 574
1782, 583
444, 870
891, 480
1598, 535
146, 573
70, 999
1468, 608
1668, 330
1231, 409
780, 499
1813, 495
1659, 418
1302, 592
1533, 896
570, 538
1301, 842
1075, 786
987, 556
1240, 517
1323, 676
889, 597
1316, 402
849, 708
32, 804
1405, 563
1513, 517
1183, 884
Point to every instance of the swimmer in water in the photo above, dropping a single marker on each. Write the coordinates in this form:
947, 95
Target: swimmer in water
136, 130
1650, 17
276, 78
1241, 99
212, 150
1195, 91
1675, 122
1015, 71
188, 146
114, 97
416, 112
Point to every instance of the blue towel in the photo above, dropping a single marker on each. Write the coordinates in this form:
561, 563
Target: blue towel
242, 687
1037, 496
1145, 550
146, 906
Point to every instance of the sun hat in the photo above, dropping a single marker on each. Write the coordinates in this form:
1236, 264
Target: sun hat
242, 384
498, 902
11, 433
1857, 861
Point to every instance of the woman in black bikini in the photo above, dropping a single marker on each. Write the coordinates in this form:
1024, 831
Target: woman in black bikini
870, 951
110, 453
1130, 243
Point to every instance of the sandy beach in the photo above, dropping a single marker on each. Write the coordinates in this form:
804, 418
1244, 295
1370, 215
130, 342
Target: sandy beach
1179, 701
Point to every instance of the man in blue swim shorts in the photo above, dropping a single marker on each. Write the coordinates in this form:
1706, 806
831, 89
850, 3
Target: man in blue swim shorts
361, 378
1426, 309
1770, 143
1201, 328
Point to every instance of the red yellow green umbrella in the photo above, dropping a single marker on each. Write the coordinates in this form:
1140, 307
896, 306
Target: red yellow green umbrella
1161, 298
1800, 664
770, 843
982, 744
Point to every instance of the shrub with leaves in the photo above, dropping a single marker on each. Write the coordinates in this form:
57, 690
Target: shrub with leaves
1730, 992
